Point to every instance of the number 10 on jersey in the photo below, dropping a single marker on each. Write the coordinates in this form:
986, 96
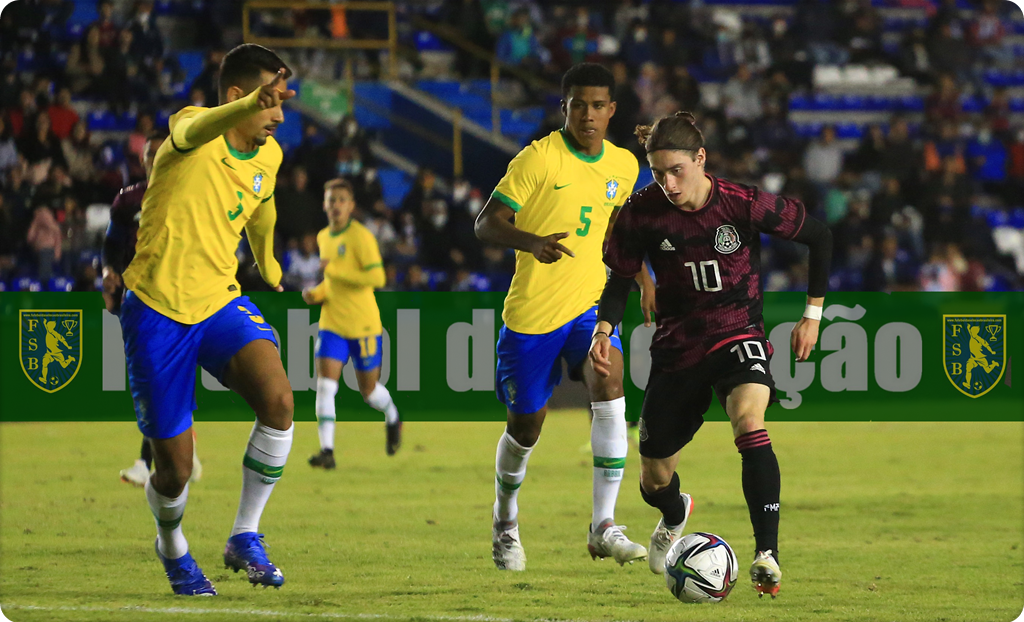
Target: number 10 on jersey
710, 277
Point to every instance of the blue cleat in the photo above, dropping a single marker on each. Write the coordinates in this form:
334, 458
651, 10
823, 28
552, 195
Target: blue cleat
185, 576
245, 552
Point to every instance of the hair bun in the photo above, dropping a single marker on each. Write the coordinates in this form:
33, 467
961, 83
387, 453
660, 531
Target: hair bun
686, 116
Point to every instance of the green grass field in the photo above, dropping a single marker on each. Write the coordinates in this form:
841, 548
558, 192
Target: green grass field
880, 522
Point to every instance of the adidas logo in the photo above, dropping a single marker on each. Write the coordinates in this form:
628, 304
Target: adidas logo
667, 246
757, 367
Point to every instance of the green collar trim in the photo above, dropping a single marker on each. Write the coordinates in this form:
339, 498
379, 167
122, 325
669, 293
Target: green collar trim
343, 229
589, 159
238, 155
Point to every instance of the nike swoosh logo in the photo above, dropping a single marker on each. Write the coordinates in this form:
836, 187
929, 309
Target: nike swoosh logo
557, 187
225, 161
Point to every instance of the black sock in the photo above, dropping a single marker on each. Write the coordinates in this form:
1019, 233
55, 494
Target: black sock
147, 453
761, 486
668, 501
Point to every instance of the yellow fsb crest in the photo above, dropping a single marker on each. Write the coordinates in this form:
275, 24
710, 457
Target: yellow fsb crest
974, 352
51, 347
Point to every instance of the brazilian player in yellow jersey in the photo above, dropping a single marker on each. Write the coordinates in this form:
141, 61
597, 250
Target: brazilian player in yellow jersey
563, 192
349, 320
211, 178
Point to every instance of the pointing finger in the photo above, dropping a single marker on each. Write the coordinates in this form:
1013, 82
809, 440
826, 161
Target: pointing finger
564, 250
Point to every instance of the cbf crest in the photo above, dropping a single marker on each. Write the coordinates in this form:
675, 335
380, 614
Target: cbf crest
50, 347
974, 351
257, 182
611, 189
727, 239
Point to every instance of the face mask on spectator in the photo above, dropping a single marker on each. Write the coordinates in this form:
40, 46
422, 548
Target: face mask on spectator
475, 205
351, 167
640, 35
439, 220
985, 136
460, 192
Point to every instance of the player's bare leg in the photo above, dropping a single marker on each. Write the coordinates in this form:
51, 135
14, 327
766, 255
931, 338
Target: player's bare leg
378, 397
514, 449
659, 486
610, 446
256, 374
328, 373
745, 406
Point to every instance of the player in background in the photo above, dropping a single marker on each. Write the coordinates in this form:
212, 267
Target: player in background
118, 250
350, 320
702, 235
214, 176
563, 192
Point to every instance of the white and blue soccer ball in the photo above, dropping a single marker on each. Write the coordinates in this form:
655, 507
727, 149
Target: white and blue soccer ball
700, 568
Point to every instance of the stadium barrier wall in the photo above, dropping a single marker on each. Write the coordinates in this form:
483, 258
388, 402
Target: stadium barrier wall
880, 357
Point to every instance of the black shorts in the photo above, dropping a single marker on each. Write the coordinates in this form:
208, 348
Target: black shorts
675, 401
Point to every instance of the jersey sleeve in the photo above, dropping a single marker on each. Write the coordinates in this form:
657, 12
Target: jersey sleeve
525, 175
194, 127
777, 215
260, 230
624, 252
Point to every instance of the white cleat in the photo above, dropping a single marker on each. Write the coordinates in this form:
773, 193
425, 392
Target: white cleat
507, 552
765, 574
136, 475
609, 541
197, 468
663, 537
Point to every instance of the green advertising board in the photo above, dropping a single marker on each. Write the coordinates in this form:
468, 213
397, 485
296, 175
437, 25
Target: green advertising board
880, 357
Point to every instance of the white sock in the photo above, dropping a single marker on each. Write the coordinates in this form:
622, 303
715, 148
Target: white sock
608, 440
379, 399
262, 466
171, 541
326, 389
510, 470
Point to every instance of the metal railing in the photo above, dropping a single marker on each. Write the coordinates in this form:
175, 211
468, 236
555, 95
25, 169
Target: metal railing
454, 37
390, 44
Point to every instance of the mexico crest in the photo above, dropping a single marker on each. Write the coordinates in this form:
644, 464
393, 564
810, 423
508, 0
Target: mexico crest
611, 189
974, 352
50, 347
727, 239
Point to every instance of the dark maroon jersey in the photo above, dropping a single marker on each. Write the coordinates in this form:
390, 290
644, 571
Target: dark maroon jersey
119, 246
707, 263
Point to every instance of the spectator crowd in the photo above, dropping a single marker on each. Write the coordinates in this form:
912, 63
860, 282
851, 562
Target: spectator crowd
926, 200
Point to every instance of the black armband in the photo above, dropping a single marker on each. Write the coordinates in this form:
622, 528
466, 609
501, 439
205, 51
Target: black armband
816, 235
613, 299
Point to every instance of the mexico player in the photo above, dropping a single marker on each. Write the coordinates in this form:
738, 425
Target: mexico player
213, 177
701, 234
562, 191
118, 250
350, 320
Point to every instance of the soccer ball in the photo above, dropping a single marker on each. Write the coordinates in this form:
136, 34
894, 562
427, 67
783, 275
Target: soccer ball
700, 568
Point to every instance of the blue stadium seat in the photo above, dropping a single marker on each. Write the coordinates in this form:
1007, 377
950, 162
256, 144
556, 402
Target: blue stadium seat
998, 218
192, 65
1017, 218
396, 184
26, 284
1017, 104
645, 178
429, 42
101, 120
60, 284
798, 101
911, 103
289, 133
853, 102
85, 12
972, 104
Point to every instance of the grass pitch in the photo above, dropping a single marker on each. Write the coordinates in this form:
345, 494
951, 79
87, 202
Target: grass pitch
880, 521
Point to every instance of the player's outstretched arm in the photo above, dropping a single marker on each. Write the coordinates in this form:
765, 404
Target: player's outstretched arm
816, 235
199, 129
315, 295
260, 230
494, 226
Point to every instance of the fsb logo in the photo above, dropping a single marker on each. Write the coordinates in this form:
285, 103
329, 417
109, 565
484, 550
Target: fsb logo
50, 347
974, 352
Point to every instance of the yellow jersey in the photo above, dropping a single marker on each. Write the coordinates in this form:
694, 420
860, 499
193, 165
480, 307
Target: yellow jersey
554, 188
352, 269
195, 207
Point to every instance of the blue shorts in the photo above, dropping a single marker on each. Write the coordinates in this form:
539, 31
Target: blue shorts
162, 355
366, 352
529, 365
